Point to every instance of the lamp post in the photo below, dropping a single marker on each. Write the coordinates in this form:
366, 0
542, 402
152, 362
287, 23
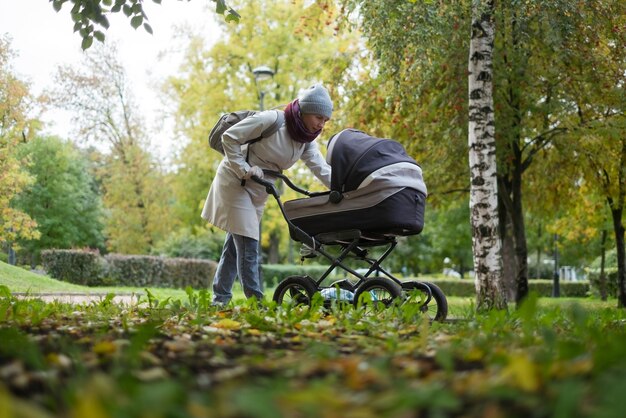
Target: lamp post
261, 73
556, 288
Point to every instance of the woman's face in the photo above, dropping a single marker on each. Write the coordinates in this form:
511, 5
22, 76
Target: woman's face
313, 122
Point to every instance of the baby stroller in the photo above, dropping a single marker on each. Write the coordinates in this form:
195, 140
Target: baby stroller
377, 195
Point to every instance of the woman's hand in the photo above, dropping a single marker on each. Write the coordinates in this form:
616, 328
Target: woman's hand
254, 171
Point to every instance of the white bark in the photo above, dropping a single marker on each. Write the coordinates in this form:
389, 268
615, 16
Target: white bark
482, 159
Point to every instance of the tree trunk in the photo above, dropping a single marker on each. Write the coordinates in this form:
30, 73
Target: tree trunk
602, 278
617, 210
618, 227
519, 237
538, 274
482, 160
509, 263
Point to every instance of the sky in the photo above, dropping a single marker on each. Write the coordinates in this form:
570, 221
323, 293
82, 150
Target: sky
43, 39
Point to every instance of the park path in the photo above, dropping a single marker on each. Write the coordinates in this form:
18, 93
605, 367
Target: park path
79, 298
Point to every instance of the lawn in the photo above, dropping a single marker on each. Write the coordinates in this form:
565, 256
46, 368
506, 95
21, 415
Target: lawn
181, 357
19, 280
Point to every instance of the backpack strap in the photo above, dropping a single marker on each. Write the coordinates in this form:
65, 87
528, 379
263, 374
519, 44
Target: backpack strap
269, 131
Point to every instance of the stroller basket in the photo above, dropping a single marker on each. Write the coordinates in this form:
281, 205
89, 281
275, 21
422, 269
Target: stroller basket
375, 187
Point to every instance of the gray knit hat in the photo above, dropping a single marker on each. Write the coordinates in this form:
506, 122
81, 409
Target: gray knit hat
316, 100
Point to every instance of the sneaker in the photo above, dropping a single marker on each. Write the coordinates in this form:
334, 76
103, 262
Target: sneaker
307, 252
219, 305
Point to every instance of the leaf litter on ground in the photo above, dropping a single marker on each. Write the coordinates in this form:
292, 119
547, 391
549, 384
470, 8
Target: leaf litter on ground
254, 360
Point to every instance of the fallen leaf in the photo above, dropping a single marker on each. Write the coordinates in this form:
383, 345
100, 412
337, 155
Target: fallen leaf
227, 323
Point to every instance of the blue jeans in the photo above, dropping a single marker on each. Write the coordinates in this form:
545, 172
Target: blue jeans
240, 257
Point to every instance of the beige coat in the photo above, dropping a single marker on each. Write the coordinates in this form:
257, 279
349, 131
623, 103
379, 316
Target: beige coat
238, 209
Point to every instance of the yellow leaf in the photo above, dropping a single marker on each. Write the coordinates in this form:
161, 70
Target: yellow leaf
227, 323
104, 347
59, 360
522, 372
474, 354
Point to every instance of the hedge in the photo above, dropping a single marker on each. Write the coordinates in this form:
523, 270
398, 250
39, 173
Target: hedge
74, 266
466, 288
91, 269
275, 273
611, 277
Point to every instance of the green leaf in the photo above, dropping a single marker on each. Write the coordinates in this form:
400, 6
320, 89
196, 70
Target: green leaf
86, 42
233, 16
5, 292
127, 10
148, 28
107, 2
136, 21
57, 4
157, 1
220, 6
17, 344
99, 35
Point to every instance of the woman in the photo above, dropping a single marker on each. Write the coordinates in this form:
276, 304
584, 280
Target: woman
236, 206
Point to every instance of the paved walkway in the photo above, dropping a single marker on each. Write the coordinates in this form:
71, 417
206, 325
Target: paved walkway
79, 298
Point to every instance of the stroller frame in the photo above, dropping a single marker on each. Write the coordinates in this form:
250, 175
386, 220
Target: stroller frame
355, 243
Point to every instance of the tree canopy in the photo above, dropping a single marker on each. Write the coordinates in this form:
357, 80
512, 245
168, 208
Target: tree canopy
15, 127
63, 199
91, 21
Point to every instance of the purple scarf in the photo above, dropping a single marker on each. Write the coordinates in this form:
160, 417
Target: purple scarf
295, 126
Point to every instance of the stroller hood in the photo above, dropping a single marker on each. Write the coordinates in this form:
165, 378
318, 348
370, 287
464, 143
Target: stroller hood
354, 156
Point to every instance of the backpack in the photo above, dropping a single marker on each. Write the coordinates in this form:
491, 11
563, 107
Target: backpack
230, 119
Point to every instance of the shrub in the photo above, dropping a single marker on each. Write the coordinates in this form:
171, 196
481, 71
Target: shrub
90, 269
183, 272
275, 273
610, 273
611, 278
134, 270
206, 245
466, 288
74, 266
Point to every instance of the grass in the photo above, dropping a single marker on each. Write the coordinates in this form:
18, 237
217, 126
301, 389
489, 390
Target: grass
20, 280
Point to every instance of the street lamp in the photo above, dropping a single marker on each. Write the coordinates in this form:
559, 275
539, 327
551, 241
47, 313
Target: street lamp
556, 288
261, 73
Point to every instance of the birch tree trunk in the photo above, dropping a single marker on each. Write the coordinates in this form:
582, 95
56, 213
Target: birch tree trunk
482, 159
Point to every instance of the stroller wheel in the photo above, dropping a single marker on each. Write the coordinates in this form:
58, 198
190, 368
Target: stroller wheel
436, 307
377, 292
295, 290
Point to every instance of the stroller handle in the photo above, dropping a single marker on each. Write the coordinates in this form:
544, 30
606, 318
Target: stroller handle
288, 182
271, 189
269, 186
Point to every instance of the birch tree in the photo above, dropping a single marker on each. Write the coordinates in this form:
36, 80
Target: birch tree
482, 160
